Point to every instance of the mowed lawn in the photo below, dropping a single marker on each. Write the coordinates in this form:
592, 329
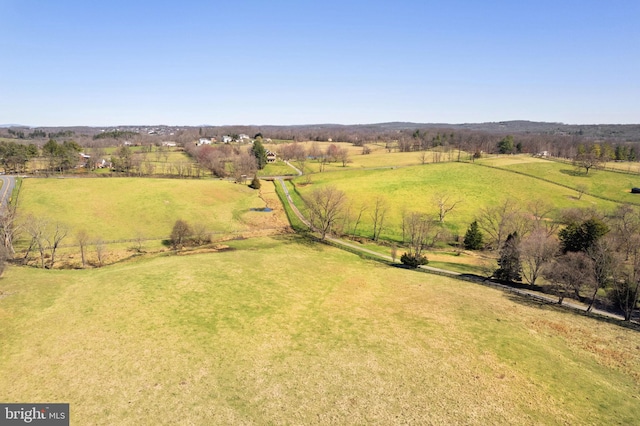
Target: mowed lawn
126, 208
414, 189
279, 331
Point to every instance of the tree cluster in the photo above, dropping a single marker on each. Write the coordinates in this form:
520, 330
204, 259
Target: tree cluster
62, 156
14, 156
225, 160
183, 234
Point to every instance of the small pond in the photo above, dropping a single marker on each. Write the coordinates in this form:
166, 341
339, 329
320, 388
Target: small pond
261, 209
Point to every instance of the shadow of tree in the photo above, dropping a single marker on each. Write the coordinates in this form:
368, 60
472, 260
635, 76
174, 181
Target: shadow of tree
578, 173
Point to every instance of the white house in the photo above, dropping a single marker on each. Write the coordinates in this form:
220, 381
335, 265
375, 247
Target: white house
204, 141
227, 139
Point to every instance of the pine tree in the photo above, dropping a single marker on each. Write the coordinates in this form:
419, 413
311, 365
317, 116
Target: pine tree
509, 261
260, 153
473, 237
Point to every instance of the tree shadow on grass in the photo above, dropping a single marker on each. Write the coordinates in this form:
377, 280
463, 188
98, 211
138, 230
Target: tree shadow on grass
536, 303
576, 173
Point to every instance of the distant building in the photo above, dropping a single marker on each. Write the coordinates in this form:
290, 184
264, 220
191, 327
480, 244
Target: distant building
271, 156
227, 139
169, 143
204, 141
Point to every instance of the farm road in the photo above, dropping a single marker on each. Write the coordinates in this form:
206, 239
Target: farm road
8, 183
479, 280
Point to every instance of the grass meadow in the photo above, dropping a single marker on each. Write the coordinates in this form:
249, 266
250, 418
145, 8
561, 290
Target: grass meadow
117, 209
414, 188
282, 331
602, 183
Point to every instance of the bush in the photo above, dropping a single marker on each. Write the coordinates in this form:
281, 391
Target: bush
255, 183
413, 261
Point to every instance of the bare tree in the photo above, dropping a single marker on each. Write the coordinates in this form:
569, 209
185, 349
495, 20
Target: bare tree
8, 228
536, 251
626, 288
361, 211
626, 226
604, 263
179, 234
587, 161
501, 220
200, 235
444, 204
541, 212
380, 208
139, 241
36, 229
581, 189
82, 237
570, 272
54, 238
325, 208
101, 251
423, 157
418, 227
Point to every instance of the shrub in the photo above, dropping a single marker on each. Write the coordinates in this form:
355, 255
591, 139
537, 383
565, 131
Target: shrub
255, 183
412, 260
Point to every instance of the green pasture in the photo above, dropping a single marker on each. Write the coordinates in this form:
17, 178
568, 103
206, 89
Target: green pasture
125, 208
283, 331
602, 183
279, 168
414, 189
379, 157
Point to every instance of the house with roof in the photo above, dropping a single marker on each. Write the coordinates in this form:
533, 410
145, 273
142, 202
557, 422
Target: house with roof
204, 141
271, 156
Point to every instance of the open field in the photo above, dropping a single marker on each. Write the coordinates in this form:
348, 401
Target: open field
607, 184
379, 156
243, 336
413, 189
117, 209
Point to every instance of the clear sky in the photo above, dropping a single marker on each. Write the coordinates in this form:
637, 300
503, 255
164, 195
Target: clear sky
113, 62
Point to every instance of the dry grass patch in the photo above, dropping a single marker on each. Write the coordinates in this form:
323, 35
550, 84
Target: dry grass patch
282, 331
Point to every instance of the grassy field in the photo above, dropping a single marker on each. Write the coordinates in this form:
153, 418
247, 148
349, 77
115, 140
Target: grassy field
607, 184
413, 189
244, 337
379, 156
115, 209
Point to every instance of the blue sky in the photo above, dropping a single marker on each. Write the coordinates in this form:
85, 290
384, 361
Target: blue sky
303, 62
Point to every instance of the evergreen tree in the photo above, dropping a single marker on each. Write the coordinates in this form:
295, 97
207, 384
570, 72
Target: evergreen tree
473, 237
255, 183
260, 153
581, 236
506, 145
509, 261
